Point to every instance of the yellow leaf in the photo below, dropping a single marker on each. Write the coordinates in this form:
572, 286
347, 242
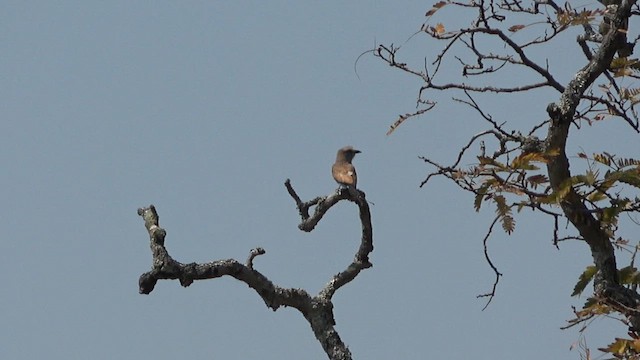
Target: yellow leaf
439, 29
523, 160
592, 307
604, 158
596, 196
484, 160
550, 153
619, 346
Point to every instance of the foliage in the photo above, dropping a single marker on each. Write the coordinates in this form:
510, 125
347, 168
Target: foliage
516, 170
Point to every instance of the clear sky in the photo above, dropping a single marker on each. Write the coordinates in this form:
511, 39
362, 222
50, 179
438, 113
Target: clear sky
204, 108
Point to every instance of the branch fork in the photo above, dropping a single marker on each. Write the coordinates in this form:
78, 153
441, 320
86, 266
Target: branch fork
318, 310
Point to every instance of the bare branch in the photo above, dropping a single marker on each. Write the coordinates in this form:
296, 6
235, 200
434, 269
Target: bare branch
165, 268
323, 204
317, 310
254, 252
492, 293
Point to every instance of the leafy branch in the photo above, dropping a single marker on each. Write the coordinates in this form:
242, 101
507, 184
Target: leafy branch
529, 170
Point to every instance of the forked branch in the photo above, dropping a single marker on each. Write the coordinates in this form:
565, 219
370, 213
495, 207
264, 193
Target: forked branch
318, 310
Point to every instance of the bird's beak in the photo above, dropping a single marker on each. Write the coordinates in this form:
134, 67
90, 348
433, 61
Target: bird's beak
357, 151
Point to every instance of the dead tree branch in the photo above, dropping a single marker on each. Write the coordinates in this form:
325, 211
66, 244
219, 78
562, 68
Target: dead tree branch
318, 310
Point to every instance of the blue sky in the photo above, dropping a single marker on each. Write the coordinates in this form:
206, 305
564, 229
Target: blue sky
204, 108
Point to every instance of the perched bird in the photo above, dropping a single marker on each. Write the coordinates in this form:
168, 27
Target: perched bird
343, 171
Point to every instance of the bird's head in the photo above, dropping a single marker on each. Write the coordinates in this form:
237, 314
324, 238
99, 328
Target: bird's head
346, 154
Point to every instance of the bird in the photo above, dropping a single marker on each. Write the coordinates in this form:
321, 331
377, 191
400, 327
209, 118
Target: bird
343, 171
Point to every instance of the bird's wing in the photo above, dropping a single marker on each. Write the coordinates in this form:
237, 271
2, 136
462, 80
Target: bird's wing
345, 174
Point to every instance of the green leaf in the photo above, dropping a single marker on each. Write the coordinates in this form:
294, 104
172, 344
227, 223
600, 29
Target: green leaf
563, 190
590, 302
508, 223
584, 280
609, 215
482, 191
504, 212
596, 196
618, 347
501, 205
631, 177
627, 275
591, 177
581, 179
